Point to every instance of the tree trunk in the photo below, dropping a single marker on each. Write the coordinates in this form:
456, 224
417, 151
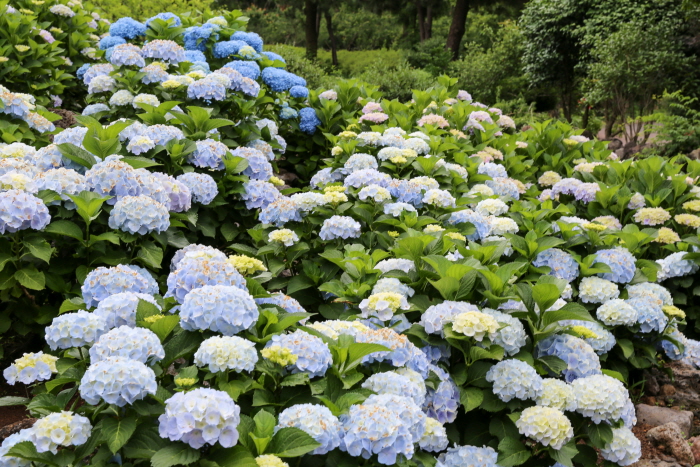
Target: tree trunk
429, 22
584, 120
311, 12
457, 28
421, 21
331, 36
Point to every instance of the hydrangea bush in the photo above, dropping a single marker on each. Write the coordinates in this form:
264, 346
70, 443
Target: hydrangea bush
433, 269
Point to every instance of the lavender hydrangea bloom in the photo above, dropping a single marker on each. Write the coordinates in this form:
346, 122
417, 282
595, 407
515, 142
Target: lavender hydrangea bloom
259, 194
209, 154
20, 210
580, 358
562, 264
621, 261
280, 211
224, 309
403, 352
366, 177
514, 379
460, 456
193, 273
202, 186
650, 315
102, 282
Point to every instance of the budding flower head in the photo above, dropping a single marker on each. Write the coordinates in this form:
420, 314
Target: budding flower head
246, 265
281, 355
673, 312
153, 318
456, 236
594, 226
393, 233
584, 332
276, 181
185, 382
334, 189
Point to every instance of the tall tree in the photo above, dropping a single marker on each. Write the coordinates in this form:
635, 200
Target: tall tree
457, 27
311, 28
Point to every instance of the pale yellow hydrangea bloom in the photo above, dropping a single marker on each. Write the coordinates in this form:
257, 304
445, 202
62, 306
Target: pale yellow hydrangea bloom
474, 324
246, 265
281, 355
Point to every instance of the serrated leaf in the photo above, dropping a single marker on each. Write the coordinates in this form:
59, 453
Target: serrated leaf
600, 434
67, 228
164, 326
237, 456
512, 452
27, 450
471, 398
31, 278
291, 442
174, 454
264, 424
118, 432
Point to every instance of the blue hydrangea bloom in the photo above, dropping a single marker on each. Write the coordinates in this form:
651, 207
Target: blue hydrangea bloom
95, 108
110, 41
246, 68
280, 80
193, 273
442, 403
671, 350
287, 303
196, 37
114, 178
9, 442
675, 266
209, 154
127, 27
20, 210
152, 284
390, 382
195, 56
126, 55
288, 113
579, 356
308, 121
80, 73
195, 250
173, 19
120, 309
562, 264
299, 92
604, 340
512, 337
117, 380
102, 282
317, 421
492, 170
90, 73
403, 353
503, 187
220, 308
273, 56
75, 330
621, 261
366, 177
313, 355
165, 50
202, 186
483, 226
515, 379
139, 215
139, 344
435, 317
373, 429
259, 194
215, 421
250, 38
650, 315
179, 196
460, 456
340, 227
407, 409
280, 211
225, 49
64, 182
207, 90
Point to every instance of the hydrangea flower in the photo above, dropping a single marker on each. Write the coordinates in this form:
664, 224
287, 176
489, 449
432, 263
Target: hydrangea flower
546, 425
393, 382
391, 284
395, 264
334, 328
139, 215
31, 367
221, 308
308, 121
20, 210
373, 429
562, 264
383, 305
600, 397
139, 344
650, 315
624, 449
673, 266
579, 356
599, 338
202, 186
459, 456
199, 417
317, 421
512, 337
194, 272
475, 324
9, 443
651, 216
117, 380
313, 355
402, 352
617, 312
259, 194
75, 330
650, 288
286, 237
502, 225
481, 223
514, 379
102, 282
222, 353
557, 394
339, 227
439, 198
621, 261
120, 309
597, 290
503, 187
287, 303
60, 429
127, 28
280, 211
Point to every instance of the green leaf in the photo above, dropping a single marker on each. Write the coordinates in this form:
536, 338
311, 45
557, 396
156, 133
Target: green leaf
139, 162
31, 278
164, 326
77, 155
180, 345
175, 454
600, 434
150, 254
39, 248
237, 456
67, 228
512, 452
298, 283
627, 347
117, 432
264, 424
356, 352
568, 311
9, 401
291, 442
471, 398
565, 454
26, 450
545, 295
554, 364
